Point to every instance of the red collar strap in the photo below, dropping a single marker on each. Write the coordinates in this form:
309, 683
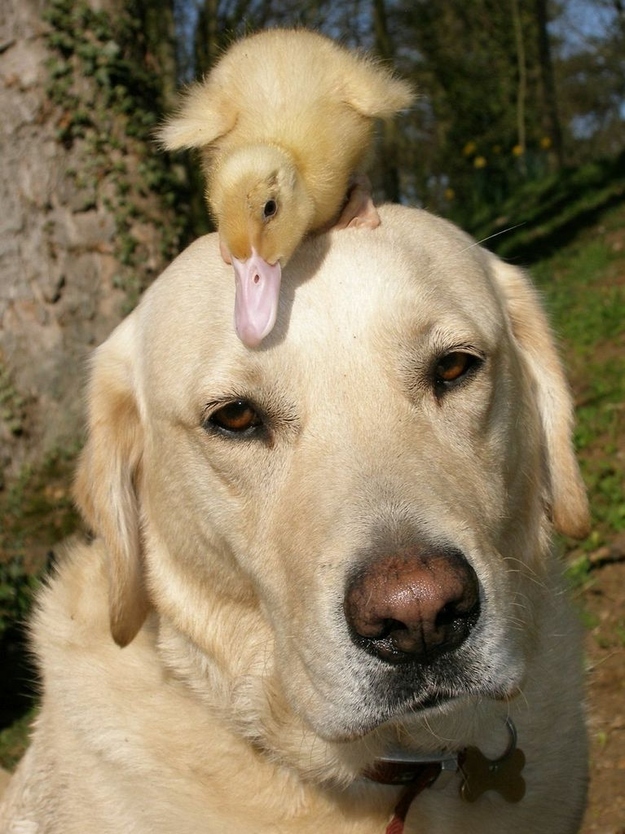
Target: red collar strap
423, 775
415, 775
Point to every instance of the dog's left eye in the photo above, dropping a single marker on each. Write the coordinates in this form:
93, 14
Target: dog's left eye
238, 417
453, 368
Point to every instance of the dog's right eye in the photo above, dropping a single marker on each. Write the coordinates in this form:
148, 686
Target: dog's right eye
454, 368
238, 417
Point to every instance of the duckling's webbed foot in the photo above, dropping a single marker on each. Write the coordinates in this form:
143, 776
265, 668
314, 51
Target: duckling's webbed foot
359, 210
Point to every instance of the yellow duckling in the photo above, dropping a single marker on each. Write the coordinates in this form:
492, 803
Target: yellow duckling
285, 122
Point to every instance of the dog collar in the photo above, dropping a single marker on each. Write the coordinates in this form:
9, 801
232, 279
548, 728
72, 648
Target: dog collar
416, 772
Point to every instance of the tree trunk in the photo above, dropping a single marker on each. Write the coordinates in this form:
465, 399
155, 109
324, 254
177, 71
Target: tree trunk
86, 220
551, 118
388, 158
521, 84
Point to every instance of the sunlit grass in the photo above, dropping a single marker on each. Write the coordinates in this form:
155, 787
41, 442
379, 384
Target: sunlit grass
584, 290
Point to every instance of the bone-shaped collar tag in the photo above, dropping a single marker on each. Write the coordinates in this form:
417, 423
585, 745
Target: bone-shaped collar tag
503, 775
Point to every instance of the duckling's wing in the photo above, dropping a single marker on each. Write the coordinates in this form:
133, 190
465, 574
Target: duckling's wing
372, 89
206, 114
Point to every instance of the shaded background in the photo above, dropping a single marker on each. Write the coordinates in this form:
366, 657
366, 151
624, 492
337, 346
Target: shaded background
518, 135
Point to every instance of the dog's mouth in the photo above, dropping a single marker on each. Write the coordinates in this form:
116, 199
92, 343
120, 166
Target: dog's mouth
433, 702
417, 705
403, 693
373, 714
362, 725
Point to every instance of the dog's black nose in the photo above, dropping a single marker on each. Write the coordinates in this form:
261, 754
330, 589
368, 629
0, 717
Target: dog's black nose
413, 605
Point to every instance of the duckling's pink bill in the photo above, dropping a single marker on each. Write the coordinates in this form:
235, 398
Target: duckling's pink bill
257, 289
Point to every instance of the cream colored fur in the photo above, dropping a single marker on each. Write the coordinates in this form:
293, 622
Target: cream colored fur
238, 702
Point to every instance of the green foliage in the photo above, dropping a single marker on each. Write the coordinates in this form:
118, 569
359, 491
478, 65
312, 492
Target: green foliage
483, 124
110, 100
37, 512
103, 50
37, 508
585, 310
578, 574
14, 740
545, 214
16, 589
12, 404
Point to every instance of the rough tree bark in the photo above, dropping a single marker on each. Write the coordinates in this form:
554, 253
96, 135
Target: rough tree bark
85, 216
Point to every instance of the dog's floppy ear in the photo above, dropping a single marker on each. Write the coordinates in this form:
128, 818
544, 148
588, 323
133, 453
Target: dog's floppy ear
567, 494
105, 486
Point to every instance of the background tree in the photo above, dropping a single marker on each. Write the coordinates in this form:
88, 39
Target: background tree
96, 211
590, 79
550, 111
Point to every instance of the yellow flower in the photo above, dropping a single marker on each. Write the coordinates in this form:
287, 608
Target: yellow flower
479, 162
449, 194
469, 149
518, 150
545, 143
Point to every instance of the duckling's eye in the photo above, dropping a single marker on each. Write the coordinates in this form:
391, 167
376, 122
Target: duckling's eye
238, 417
454, 368
270, 209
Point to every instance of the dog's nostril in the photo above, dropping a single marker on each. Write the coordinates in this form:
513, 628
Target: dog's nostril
453, 613
387, 628
413, 606
446, 615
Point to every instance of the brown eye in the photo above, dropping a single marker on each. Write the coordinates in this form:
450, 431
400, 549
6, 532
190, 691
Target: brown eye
270, 209
238, 417
453, 368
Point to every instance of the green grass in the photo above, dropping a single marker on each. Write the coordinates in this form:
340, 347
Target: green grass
584, 290
585, 306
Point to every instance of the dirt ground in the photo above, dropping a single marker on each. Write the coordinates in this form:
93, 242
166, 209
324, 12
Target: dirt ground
603, 604
602, 599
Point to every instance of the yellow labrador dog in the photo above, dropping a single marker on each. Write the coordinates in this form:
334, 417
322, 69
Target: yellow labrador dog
322, 597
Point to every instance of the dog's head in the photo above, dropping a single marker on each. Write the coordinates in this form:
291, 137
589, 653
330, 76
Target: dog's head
351, 522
